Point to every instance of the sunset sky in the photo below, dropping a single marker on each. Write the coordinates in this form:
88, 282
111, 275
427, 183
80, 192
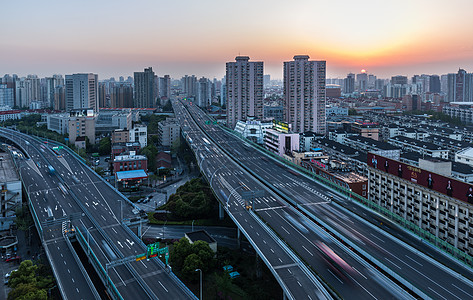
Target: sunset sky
115, 38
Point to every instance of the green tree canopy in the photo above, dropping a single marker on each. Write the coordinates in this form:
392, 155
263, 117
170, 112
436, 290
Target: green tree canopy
29, 282
187, 257
105, 146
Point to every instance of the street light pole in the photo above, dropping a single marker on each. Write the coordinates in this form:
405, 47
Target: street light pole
193, 225
200, 282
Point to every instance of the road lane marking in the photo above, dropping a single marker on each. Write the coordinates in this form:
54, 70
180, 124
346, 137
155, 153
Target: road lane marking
163, 286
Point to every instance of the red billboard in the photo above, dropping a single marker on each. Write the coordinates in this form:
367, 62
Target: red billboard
445, 185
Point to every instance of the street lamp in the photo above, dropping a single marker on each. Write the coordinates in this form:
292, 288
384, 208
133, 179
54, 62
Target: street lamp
193, 225
200, 282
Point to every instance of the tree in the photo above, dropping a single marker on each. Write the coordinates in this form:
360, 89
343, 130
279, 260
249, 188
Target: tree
181, 249
352, 112
105, 146
168, 106
29, 282
150, 152
27, 291
191, 263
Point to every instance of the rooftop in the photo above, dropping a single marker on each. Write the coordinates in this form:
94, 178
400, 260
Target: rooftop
7, 171
133, 174
200, 235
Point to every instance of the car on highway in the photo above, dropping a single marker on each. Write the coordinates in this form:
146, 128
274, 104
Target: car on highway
13, 258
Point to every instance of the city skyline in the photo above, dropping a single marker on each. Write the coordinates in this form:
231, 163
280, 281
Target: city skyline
116, 38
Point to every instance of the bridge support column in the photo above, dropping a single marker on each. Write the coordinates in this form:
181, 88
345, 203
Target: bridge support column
258, 269
221, 212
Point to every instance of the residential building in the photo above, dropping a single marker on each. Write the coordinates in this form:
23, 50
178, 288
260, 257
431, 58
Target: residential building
168, 132
244, 83
465, 156
121, 96
6, 96
165, 87
189, 86
146, 89
81, 92
349, 84
436, 203
424, 148
204, 97
304, 94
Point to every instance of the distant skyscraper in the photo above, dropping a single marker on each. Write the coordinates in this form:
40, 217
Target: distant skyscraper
223, 92
349, 84
362, 81
434, 86
165, 86
399, 79
379, 84
304, 94
266, 79
6, 96
460, 87
82, 91
244, 84
102, 94
204, 98
20, 93
121, 96
146, 89
189, 86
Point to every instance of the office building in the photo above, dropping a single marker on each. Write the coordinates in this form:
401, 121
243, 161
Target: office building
146, 89
82, 91
304, 94
244, 83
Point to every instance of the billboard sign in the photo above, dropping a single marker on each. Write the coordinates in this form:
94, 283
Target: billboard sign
445, 185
